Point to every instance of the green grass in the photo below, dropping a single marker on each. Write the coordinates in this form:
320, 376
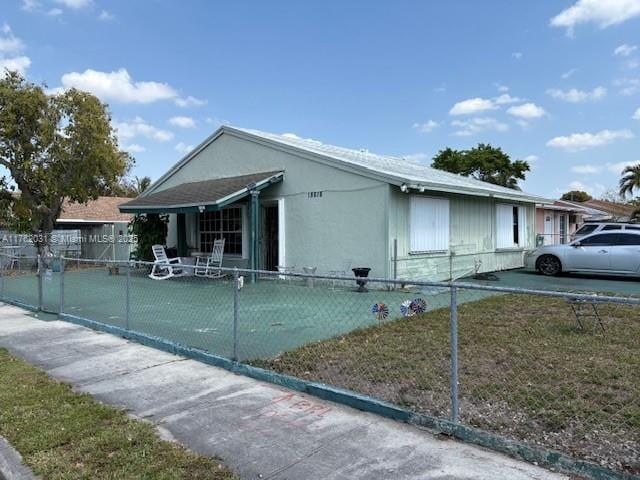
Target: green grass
65, 435
526, 372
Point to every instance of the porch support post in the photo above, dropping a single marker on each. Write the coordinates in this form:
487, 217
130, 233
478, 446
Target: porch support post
182, 234
254, 225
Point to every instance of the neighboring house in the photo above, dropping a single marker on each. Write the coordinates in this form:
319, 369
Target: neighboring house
280, 200
556, 223
602, 210
102, 228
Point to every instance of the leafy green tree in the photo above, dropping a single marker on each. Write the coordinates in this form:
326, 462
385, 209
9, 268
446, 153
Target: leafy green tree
149, 229
576, 196
630, 180
53, 147
484, 162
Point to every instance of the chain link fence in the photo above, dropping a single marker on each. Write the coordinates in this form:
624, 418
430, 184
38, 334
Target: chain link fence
559, 370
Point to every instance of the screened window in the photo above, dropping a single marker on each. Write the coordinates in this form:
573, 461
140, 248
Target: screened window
511, 226
429, 224
612, 227
225, 224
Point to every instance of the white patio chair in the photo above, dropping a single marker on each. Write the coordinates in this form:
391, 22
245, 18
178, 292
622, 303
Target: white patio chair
344, 269
210, 266
164, 267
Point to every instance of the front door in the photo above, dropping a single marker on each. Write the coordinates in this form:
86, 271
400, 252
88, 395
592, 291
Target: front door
270, 237
548, 229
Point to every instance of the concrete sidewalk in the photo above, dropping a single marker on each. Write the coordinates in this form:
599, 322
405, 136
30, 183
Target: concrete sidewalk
258, 429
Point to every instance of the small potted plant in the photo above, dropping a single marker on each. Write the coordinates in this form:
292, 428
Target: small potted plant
114, 270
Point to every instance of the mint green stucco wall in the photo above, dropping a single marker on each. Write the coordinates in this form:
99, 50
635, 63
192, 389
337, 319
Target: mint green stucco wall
349, 221
472, 239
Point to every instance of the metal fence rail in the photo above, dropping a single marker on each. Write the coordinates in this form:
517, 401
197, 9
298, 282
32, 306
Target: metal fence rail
558, 370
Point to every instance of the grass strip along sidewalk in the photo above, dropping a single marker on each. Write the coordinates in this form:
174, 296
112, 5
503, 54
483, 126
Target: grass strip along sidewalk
526, 372
65, 435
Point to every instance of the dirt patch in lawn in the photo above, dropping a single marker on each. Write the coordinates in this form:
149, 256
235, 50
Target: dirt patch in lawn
526, 372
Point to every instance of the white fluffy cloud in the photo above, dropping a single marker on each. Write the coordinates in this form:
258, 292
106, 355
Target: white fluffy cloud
426, 127
582, 141
118, 86
466, 128
139, 128
590, 169
603, 13
577, 96
74, 4
636, 115
190, 102
625, 50
133, 148
568, 73
531, 158
472, 106
9, 43
527, 111
19, 64
10, 47
182, 122
183, 148
628, 86
505, 99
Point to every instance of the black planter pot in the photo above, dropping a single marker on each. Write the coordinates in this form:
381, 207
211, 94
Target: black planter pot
361, 274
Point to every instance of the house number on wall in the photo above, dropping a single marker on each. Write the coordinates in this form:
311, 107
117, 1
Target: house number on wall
314, 194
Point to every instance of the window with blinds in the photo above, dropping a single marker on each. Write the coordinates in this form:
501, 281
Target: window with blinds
428, 224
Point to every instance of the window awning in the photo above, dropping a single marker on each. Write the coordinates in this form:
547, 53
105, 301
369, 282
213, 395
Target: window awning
202, 196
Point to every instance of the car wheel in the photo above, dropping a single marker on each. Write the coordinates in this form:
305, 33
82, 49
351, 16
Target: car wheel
549, 265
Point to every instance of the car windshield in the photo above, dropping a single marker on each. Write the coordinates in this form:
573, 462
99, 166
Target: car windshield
586, 229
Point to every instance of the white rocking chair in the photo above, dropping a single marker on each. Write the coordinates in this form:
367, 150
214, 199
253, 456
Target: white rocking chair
164, 267
210, 266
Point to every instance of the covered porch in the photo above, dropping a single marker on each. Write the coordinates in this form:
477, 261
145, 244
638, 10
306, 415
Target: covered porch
229, 208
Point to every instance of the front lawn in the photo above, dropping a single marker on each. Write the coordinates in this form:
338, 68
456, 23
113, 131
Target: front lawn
65, 435
526, 372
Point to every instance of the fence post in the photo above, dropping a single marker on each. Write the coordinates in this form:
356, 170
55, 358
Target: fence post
127, 307
2, 267
454, 355
236, 302
39, 283
61, 306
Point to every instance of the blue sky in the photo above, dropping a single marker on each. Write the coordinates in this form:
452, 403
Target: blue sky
555, 82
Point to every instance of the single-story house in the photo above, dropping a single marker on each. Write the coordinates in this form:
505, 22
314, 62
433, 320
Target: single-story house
101, 229
602, 210
280, 200
557, 222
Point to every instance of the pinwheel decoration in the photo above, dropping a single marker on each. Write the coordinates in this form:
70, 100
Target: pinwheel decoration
418, 306
406, 310
380, 310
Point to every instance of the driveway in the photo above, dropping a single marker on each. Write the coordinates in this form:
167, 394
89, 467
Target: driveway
528, 278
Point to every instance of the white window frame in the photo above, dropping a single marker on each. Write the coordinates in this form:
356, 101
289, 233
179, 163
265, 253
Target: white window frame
523, 239
431, 245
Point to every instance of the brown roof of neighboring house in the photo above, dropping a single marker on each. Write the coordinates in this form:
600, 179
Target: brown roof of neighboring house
612, 208
101, 210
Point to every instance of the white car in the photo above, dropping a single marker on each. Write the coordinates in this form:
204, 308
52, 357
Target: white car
596, 227
613, 252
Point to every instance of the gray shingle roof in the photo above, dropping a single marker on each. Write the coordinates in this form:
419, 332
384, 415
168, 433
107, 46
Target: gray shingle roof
194, 194
394, 168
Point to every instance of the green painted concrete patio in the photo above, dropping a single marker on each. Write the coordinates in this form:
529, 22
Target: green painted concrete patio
274, 315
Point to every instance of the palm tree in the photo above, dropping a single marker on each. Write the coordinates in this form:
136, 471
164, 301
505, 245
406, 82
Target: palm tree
630, 180
142, 184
